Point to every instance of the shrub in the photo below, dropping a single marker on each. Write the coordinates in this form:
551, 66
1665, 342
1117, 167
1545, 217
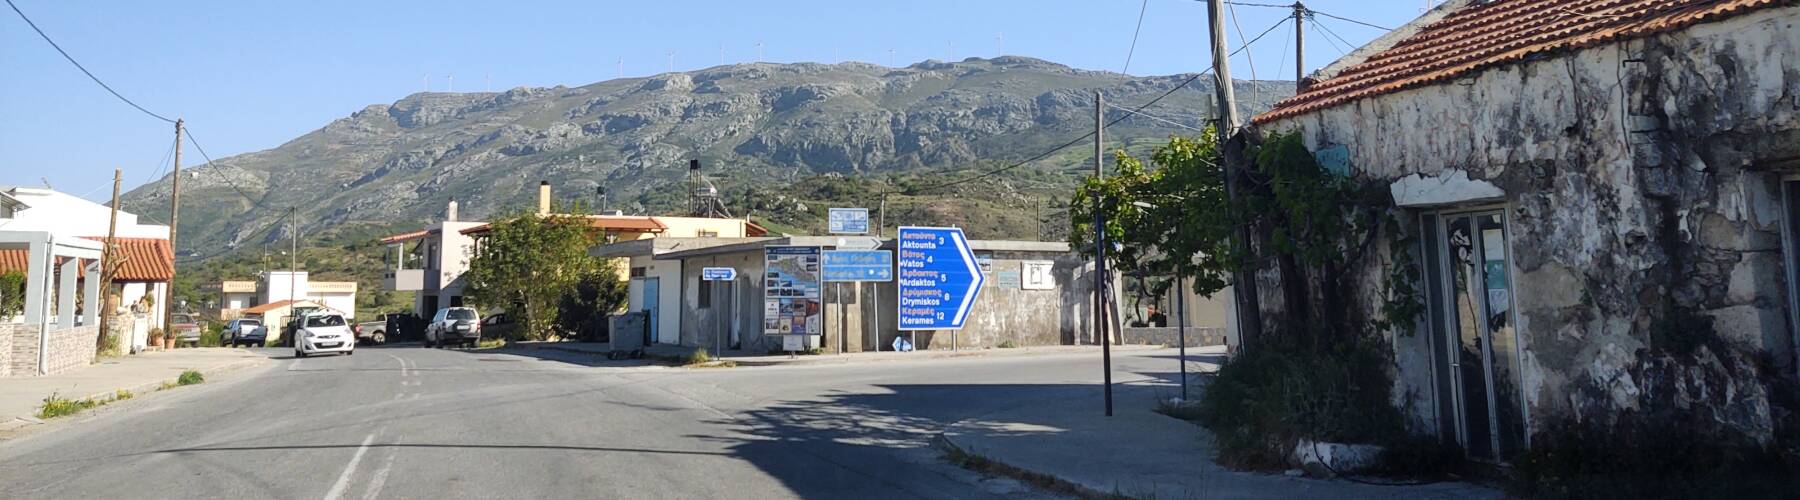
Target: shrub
1267, 399
491, 343
57, 406
212, 335
121, 395
1007, 344
698, 356
190, 377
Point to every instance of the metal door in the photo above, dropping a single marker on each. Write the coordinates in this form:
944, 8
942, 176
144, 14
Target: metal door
1473, 322
652, 305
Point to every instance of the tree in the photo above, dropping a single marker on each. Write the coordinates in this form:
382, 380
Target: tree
12, 294
1170, 220
527, 263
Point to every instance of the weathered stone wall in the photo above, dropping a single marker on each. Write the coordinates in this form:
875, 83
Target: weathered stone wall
1637, 175
1197, 336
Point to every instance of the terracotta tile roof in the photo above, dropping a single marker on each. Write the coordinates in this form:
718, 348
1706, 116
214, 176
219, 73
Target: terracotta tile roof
145, 260
402, 237
267, 307
1505, 31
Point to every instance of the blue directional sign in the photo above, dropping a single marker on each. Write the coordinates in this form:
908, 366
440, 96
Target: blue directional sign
859, 265
847, 221
939, 278
718, 273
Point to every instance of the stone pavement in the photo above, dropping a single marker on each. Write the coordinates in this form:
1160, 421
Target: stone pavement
1143, 454
747, 358
20, 397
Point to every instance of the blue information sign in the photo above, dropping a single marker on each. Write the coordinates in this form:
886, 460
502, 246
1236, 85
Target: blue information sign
859, 265
847, 221
939, 278
718, 273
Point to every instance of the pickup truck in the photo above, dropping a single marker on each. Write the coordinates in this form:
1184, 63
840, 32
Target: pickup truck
374, 332
187, 331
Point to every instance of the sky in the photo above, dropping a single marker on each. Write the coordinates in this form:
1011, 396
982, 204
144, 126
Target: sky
248, 76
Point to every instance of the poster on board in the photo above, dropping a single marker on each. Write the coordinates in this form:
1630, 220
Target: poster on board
791, 298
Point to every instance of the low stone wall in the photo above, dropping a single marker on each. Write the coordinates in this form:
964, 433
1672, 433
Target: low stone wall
70, 349
1197, 336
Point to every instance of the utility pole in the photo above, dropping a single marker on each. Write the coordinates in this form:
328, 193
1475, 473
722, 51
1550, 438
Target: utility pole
106, 270
1101, 330
293, 256
1299, 45
174, 224
1249, 314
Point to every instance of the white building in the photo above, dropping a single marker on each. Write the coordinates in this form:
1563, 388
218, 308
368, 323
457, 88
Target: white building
147, 260
293, 285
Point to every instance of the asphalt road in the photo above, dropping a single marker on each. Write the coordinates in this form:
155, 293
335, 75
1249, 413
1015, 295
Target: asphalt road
407, 422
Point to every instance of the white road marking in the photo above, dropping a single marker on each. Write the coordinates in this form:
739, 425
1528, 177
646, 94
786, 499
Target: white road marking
337, 490
379, 479
403, 370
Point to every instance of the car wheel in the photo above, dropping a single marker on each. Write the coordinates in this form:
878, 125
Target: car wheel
350, 352
379, 338
299, 353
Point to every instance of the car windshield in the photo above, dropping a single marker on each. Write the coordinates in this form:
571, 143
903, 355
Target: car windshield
249, 323
461, 314
331, 320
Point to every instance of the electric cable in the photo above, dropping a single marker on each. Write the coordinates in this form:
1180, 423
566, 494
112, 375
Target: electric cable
78, 65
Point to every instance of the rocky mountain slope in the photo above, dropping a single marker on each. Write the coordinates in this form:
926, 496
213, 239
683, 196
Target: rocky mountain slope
762, 131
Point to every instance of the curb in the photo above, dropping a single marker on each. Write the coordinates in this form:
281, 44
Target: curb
943, 442
136, 390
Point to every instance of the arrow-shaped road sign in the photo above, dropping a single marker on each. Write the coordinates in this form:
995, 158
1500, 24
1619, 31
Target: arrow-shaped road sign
939, 278
858, 243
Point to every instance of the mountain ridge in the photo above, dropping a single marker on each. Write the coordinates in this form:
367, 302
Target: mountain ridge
754, 126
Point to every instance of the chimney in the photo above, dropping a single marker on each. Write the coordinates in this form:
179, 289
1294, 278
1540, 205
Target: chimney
450, 212
543, 197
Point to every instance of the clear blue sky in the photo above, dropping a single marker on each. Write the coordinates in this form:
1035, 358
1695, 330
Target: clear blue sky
248, 76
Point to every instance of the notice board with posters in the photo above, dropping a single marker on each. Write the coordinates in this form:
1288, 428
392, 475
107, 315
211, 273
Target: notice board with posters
791, 298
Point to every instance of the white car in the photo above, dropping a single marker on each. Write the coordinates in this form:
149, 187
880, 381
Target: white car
454, 325
323, 332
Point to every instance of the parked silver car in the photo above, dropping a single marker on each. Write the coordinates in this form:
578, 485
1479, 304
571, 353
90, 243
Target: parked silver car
454, 325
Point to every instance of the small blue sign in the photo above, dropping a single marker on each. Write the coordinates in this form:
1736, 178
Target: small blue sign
859, 265
847, 221
939, 278
718, 273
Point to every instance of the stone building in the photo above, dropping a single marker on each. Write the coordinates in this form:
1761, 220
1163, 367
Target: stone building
1593, 182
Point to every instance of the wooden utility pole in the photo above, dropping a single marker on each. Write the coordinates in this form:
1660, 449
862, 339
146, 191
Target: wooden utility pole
1102, 330
106, 272
1243, 291
174, 222
1299, 46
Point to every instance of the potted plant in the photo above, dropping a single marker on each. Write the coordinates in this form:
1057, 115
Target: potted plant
156, 337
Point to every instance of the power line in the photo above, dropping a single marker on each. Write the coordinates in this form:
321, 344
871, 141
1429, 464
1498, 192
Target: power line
1333, 33
266, 227
1309, 10
78, 65
1157, 118
1145, 7
1084, 137
254, 203
1248, 56
1346, 19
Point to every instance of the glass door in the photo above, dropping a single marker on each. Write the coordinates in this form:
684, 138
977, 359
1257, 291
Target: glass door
1473, 320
